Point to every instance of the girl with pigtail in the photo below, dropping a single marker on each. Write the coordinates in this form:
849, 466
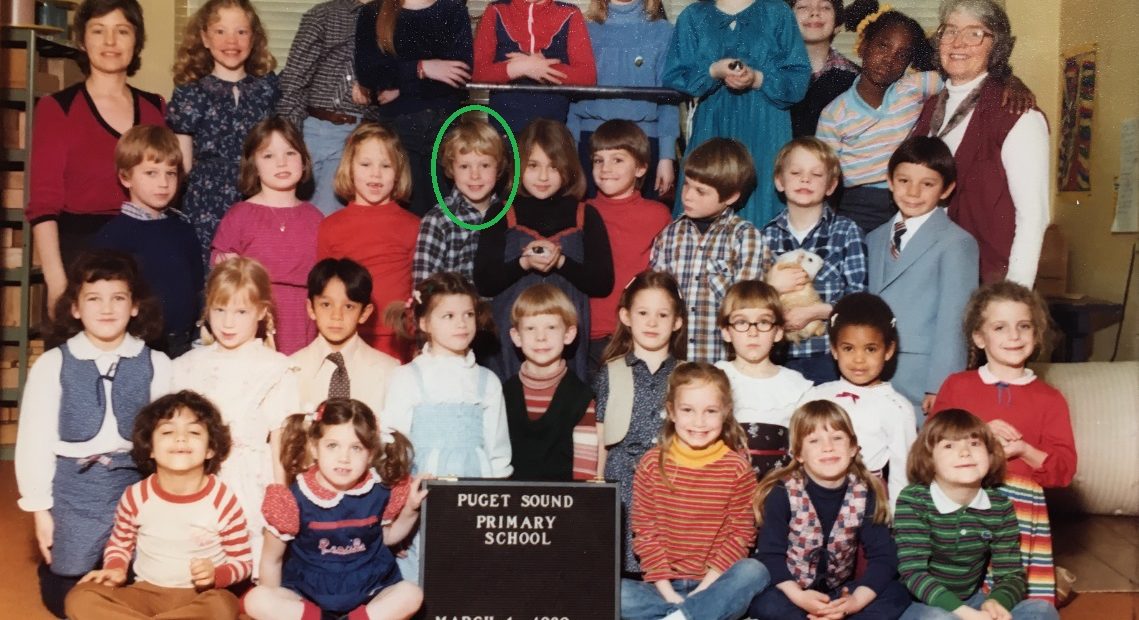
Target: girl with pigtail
342, 470
252, 385
450, 407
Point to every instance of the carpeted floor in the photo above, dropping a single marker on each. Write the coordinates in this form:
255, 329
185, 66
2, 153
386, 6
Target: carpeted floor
1102, 551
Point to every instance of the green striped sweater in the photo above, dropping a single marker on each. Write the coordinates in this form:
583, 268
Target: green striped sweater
942, 557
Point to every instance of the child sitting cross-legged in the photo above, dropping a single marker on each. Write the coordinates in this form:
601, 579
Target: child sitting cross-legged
183, 526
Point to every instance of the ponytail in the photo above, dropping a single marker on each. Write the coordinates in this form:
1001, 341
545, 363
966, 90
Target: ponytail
295, 456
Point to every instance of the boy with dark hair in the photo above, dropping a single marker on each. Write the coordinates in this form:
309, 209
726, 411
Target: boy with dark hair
338, 363
149, 164
924, 266
709, 248
620, 158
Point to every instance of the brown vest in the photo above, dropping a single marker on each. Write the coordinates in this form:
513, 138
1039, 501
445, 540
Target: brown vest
982, 204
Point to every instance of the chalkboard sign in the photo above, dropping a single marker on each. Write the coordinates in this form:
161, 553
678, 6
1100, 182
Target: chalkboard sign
520, 550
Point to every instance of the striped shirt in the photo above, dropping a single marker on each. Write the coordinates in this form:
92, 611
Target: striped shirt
839, 242
706, 265
943, 556
866, 137
165, 532
538, 394
703, 522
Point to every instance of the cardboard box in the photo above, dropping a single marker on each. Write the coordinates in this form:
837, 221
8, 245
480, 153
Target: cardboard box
14, 67
66, 71
12, 179
13, 124
9, 378
12, 198
10, 311
8, 433
13, 258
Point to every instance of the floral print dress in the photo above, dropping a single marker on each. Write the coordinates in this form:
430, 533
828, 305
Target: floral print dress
217, 114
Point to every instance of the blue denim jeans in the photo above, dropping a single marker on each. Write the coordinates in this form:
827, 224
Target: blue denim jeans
1029, 609
726, 599
325, 144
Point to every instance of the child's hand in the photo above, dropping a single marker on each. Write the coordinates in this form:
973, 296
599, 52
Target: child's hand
451, 72
664, 587
797, 318
202, 573
666, 176
927, 403
810, 601
45, 532
385, 97
417, 492
541, 255
787, 278
359, 95
722, 67
534, 66
1016, 97
965, 612
744, 78
1004, 430
995, 610
224, 256
113, 577
1014, 449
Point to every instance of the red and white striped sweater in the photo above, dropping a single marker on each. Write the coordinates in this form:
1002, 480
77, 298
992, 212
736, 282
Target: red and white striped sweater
165, 531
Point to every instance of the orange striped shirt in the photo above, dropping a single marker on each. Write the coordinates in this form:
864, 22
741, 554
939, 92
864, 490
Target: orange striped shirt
167, 531
704, 522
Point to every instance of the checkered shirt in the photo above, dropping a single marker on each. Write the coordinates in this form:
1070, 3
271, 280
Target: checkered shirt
839, 242
444, 245
705, 265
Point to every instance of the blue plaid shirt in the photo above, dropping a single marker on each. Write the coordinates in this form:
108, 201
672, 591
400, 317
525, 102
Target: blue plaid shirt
444, 245
705, 265
839, 242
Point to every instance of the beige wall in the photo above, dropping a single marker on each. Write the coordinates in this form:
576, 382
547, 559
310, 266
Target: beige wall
158, 56
1099, 259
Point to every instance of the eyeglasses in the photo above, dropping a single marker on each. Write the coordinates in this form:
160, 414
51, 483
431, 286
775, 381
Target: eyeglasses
743, 327
971, 36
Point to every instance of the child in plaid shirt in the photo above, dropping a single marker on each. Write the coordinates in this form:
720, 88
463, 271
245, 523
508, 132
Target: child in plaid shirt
709, 247
475, 158
806, 172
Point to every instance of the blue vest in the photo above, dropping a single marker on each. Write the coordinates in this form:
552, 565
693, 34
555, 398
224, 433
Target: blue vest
84, 397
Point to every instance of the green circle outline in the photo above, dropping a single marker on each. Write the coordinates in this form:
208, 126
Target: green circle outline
435, 158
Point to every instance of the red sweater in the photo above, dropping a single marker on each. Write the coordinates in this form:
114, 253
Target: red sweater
704, 521
382, 239
632, 224
532, 26
73, 154
1036, 409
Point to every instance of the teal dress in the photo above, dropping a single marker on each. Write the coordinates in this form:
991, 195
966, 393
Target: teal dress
766, 37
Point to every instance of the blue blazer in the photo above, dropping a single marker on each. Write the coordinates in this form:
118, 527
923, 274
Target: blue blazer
927, 287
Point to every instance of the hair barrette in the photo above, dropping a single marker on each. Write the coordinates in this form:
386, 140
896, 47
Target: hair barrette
894, 322
387, 435
319, 415
834, 317
630, 282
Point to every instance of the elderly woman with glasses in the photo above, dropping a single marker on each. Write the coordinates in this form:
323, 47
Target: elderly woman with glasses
1002, 195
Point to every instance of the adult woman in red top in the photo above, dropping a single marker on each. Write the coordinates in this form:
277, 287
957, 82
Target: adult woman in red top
1002, 158
74, 188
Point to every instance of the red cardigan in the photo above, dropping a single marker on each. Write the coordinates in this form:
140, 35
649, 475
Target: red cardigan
1036, 409
73, 154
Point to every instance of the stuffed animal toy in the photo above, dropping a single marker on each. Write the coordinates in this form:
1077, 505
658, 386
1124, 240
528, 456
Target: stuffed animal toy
804, 296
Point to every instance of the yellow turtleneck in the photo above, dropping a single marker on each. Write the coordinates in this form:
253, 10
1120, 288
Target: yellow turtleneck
696, 458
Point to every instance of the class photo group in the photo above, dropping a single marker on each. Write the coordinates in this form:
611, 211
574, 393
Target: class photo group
792, 324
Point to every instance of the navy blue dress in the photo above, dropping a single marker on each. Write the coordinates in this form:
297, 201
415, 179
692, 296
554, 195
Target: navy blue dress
338, 559
206, 110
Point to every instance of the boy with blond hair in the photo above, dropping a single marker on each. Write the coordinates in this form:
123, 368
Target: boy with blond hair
149, 163
549, 410
474, 157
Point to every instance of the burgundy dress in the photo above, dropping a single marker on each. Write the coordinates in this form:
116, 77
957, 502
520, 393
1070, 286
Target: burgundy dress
284, 241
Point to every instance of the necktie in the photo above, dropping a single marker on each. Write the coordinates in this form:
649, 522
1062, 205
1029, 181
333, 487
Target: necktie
338, 386
899, 230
